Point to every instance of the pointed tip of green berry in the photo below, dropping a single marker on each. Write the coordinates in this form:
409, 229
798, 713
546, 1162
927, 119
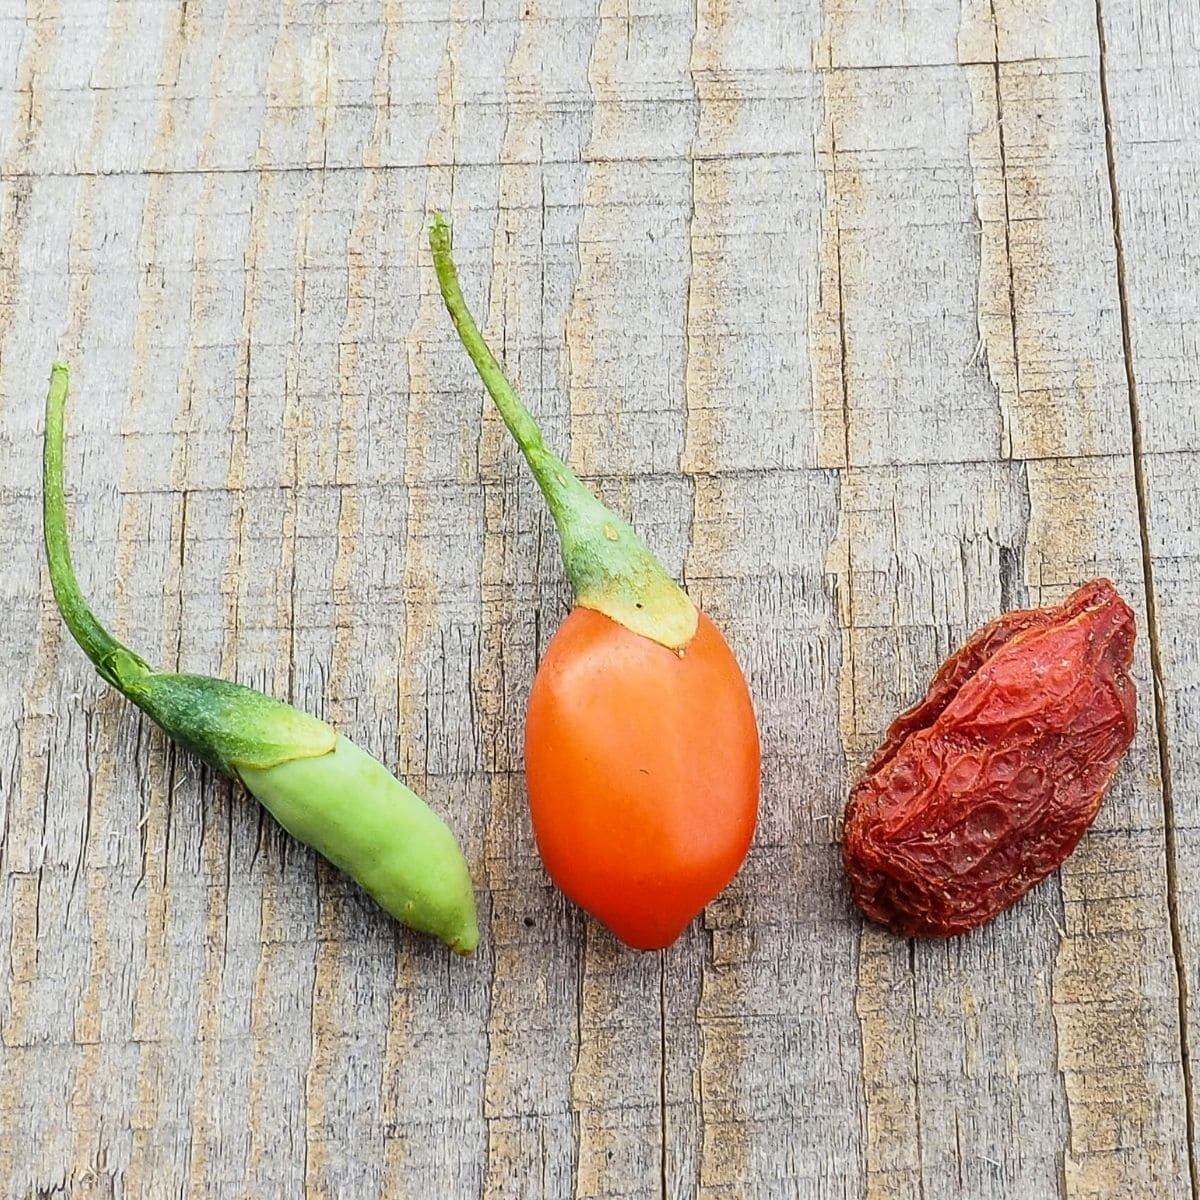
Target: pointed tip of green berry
465, 942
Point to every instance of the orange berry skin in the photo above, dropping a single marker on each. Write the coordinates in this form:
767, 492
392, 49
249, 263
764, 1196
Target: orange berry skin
643, 773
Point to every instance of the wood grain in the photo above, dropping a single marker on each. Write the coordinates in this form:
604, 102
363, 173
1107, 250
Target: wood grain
1152, 62
877, 320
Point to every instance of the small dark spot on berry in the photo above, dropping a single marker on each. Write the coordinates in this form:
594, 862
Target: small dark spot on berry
528, 922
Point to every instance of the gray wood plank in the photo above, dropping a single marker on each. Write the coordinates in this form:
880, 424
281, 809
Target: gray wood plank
1152, 73
974, 297
827, 301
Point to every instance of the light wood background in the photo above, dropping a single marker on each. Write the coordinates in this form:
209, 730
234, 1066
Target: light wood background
876, 318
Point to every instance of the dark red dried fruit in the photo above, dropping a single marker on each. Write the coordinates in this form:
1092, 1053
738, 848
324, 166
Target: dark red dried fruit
987, 785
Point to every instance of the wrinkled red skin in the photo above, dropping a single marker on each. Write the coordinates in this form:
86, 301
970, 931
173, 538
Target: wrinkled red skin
987, 785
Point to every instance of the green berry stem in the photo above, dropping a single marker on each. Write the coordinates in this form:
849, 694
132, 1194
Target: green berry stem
116, 664
610, 568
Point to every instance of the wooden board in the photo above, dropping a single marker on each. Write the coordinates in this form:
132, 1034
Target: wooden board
876, 319
1151, 67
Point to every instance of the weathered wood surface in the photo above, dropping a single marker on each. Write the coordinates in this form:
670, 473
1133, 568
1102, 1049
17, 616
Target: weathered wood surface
878, 319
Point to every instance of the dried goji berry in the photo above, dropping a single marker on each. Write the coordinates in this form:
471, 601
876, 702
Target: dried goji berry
987, 785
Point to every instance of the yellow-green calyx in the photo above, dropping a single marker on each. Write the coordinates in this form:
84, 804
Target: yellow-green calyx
321, 787
610, 568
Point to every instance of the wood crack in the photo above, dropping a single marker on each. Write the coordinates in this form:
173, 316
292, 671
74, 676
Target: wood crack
916, 1064
1152, 621
662, 1070
1006, 449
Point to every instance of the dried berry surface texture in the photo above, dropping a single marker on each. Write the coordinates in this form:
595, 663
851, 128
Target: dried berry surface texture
987, 785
